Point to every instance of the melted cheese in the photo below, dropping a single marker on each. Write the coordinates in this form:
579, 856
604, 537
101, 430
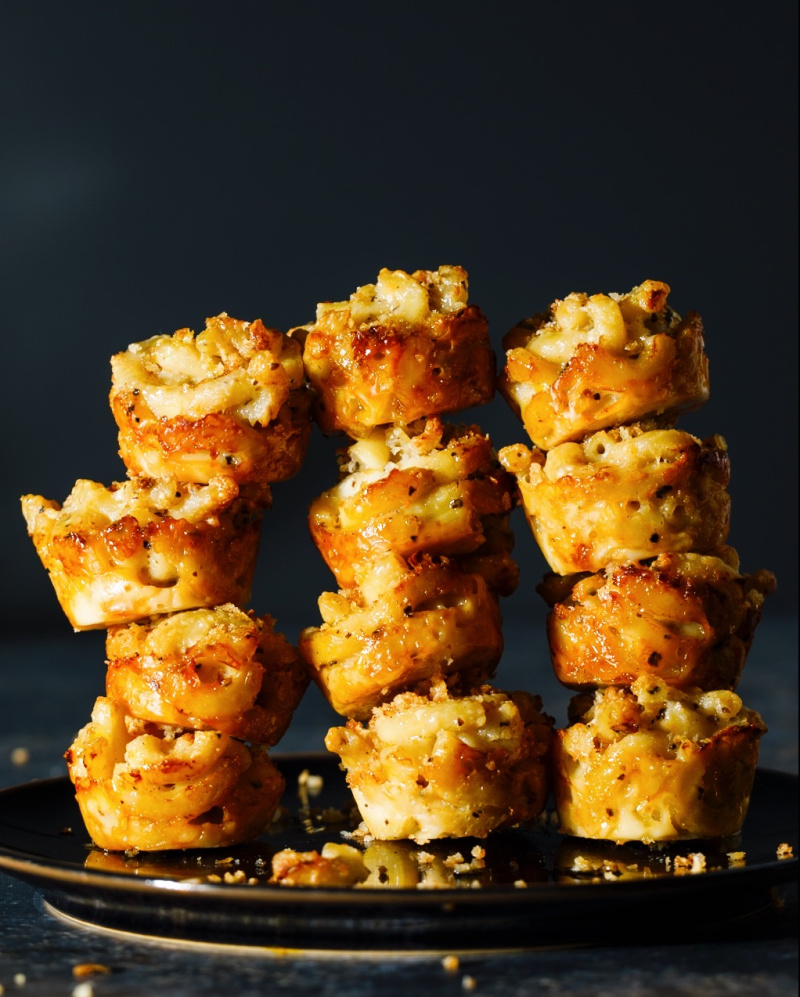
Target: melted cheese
225, 368
400, 298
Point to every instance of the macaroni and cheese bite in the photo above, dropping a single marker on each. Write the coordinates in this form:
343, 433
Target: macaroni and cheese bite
148, 787
654, 763
624, 494
432, 488
143, 547
686, 619
217, 669
444, 766
407, 347
596, 361
231, 400
408, 626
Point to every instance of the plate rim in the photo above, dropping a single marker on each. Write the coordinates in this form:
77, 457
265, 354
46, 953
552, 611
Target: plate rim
49, 874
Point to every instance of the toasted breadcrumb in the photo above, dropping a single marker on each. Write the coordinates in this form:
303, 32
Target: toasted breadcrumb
736, 859
690, 864
605, 867
313, 783
333, 815
235, 877
785, 851
83, 969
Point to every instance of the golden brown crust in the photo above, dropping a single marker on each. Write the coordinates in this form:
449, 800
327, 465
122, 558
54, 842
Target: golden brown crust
140, 786
430, 620
435, 489
215, 444
441, 766
405, 348
207, 669
230, 401
688, 619
656, 764
596, 362
623, 495
143, 547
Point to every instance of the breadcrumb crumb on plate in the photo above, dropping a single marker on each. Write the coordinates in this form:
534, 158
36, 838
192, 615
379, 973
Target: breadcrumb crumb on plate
20, 756
83, 969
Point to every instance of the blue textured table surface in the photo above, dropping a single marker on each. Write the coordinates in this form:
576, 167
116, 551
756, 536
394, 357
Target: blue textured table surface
49, 686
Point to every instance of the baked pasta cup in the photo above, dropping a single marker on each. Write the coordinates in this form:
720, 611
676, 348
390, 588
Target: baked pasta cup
422, 622
652, 763
404, 348
625, 494
143, 547
434, 489
442, 766
207, 669
686, 619
593, 362
141, 786
231, 400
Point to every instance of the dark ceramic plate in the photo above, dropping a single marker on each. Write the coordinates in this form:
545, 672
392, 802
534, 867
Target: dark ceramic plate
537, 887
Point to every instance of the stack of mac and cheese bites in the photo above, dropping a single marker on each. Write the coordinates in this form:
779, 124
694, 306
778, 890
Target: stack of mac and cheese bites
197, 688
650, 618
416, 533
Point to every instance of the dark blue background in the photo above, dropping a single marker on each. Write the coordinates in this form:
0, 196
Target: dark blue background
164, 162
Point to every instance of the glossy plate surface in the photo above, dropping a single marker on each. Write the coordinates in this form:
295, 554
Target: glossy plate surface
536, 887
